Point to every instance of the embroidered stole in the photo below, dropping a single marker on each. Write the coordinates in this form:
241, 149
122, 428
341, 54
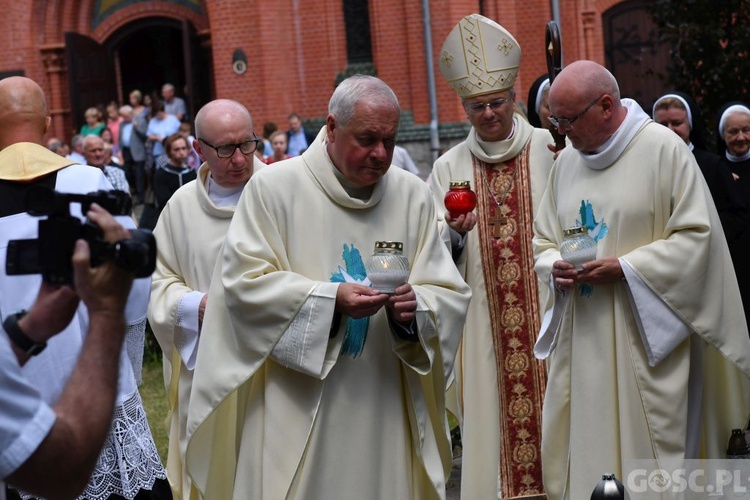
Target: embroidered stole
513, 298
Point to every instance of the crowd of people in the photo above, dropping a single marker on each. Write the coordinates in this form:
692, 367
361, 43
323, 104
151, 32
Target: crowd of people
288, 374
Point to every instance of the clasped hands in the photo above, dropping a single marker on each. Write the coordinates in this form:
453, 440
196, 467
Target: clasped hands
359, 301
596, 272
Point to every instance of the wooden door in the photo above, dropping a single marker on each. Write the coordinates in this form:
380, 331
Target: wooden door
91, 75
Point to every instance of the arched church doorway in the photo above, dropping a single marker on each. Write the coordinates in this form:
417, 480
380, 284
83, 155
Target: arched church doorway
141, 55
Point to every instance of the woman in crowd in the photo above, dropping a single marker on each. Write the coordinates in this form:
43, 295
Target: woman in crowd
136, 101
94, 124
734, 147
278, 145
734, 143
113, 121
680, 113
193, 160
268, 129
537, 105
109, 140
175, 172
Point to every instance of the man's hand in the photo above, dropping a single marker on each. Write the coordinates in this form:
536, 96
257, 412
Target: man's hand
463, 223
565, 275
202, 310
403, 304
104, 289
359, 301
553, 149
596, 272
601, 271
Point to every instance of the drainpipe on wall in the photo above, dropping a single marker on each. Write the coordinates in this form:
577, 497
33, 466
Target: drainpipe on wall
555, 8
434, 136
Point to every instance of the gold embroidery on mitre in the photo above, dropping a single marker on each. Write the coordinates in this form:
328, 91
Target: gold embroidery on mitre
505, 45
491, 57
447, 59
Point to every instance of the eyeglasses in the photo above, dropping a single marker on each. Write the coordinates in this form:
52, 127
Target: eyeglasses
227, 150
567, 123
478, 108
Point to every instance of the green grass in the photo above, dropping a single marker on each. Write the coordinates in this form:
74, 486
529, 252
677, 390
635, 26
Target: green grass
154, 398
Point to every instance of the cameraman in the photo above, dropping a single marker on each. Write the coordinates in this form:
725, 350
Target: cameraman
51, 451
129, 465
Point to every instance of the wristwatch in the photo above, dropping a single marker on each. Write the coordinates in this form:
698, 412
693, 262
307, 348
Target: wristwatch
28, 346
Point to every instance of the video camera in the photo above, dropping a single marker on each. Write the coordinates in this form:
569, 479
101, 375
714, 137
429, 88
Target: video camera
51, 253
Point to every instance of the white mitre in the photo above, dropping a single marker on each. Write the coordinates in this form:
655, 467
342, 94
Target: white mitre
479, 57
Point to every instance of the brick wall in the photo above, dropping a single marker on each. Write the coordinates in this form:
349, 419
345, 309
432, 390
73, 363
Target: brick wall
295, 48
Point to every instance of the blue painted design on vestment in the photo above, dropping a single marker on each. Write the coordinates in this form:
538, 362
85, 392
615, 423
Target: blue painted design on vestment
597, 230
354, 271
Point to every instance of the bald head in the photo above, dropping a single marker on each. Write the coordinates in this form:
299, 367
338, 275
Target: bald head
23, 111
586, 79
225, 122
219, 114
587, 96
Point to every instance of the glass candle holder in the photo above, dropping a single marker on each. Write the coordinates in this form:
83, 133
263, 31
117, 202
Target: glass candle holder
460, 199
388, 268
577, 247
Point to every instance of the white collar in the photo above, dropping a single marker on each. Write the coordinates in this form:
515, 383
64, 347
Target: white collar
611, 150
737, 159
222, 196
497, 147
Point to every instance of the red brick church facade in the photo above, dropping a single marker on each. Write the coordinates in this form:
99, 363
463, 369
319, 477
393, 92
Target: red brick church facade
81, 51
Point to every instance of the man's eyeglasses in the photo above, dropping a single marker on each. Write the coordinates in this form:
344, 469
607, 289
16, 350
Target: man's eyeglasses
478, 108
227, 150
567, 123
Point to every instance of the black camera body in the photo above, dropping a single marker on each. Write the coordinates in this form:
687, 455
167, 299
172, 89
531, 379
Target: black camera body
50, 254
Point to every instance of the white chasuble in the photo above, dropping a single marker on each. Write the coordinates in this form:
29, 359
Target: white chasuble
189, 236
322, 426
605, 404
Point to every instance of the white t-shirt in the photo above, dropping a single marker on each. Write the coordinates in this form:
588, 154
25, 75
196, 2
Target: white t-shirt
25, 419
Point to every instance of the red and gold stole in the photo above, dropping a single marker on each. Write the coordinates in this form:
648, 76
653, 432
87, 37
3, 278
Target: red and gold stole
513, 298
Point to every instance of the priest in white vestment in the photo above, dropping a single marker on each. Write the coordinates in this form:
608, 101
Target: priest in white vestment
507, 163
648, 350
309, 383
189, 234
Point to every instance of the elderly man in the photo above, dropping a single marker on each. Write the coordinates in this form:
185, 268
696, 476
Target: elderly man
57, 146
93, 151
507, 163
298, 139
76, 155
648, 348
173, 105
184, 265
328, 388
129, 463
